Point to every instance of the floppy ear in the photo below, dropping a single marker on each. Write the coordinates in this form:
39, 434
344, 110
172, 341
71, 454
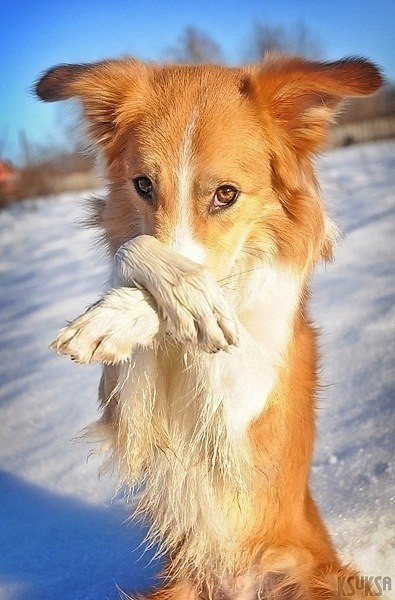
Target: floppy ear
301, 96
110, 92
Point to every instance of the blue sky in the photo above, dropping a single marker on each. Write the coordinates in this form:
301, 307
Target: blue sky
36, 34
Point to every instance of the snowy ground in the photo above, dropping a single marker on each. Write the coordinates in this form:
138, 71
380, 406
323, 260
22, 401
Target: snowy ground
60, 534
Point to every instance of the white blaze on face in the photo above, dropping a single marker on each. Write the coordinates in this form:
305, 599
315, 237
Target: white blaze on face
183, 240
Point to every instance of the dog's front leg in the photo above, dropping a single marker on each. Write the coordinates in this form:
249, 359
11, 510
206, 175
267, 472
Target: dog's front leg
182, 299
107, 332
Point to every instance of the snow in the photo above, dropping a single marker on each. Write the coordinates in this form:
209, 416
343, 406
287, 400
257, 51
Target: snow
61, 534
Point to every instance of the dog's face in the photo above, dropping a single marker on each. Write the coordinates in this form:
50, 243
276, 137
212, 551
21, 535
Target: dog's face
206, 162
214, 161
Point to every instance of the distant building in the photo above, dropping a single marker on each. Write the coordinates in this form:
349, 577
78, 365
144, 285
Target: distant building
9, 178
366, 119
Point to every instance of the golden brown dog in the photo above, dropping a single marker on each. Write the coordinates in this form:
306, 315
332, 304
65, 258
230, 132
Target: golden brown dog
215, 222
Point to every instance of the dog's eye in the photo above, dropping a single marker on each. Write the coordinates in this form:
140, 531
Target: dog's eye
224, 196
143, 186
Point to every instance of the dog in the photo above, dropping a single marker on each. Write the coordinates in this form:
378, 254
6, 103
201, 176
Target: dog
214, 221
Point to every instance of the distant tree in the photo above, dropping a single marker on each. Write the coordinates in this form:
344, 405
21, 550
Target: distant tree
276, 38
194, 47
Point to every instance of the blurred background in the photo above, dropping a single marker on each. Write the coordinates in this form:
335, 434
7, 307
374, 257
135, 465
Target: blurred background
63, 533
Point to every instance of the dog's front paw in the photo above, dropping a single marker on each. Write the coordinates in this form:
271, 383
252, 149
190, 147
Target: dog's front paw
191, 303
198, 312
109, 330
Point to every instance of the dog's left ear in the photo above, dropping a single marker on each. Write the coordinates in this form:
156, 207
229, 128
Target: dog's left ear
300, 96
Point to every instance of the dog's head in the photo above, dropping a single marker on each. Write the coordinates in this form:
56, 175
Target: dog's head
214, 161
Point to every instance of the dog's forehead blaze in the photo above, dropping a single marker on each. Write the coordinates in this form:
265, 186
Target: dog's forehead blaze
205, 112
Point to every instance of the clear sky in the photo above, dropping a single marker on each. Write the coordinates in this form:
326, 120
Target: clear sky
36, 34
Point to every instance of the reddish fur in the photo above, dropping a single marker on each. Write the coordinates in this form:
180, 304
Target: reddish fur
261, 126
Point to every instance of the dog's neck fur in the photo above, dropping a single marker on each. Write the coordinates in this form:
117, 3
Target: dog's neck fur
183, 420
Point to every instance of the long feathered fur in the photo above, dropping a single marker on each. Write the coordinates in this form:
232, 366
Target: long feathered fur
208, 393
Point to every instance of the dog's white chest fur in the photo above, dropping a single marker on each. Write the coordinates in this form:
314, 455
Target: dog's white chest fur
250, 372
185, 415
191, 384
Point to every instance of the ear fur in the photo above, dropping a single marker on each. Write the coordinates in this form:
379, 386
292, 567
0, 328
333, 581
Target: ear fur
301, 96
56, 83
110, 92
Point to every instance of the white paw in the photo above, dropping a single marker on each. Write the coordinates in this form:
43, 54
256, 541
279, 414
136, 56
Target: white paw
109, 330
198, 312
190, 301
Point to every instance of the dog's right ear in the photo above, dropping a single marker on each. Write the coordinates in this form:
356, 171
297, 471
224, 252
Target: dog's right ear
111, 93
